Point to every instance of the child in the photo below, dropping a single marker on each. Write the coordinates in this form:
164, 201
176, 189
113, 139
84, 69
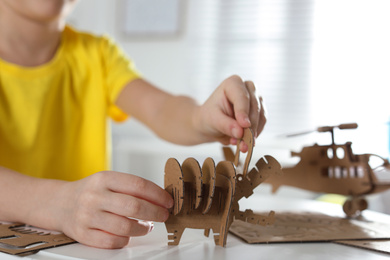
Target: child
57, 87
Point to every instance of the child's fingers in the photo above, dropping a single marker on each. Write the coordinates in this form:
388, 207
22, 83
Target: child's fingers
254, 106
120, 226
227, 125
238, 95
129, 206
102, 239
138, 187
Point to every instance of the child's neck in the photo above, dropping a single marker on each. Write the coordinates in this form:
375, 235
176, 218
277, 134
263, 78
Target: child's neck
28, 43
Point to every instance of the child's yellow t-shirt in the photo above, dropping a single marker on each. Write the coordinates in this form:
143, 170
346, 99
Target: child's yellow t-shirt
54, 117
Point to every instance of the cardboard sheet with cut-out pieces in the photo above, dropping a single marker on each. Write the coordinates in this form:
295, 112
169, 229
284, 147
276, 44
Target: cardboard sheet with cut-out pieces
316, 227
382, 246
19, 239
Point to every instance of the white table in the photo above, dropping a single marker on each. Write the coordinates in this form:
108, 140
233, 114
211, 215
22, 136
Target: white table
194, 245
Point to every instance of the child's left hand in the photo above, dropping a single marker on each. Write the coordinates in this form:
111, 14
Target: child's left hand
232, 107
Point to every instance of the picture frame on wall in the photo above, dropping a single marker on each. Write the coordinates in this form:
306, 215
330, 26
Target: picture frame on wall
150, 18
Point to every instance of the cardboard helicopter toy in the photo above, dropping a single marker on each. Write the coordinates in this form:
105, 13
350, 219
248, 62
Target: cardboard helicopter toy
207, 197
335, 169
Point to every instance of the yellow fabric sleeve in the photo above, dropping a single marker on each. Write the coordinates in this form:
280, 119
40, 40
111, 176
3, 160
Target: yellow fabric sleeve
54, 116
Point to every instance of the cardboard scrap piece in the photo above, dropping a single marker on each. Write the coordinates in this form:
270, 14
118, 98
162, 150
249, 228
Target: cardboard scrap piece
309, 227
382, 246
19, 239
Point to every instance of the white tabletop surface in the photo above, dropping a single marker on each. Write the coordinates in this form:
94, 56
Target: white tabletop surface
194, 245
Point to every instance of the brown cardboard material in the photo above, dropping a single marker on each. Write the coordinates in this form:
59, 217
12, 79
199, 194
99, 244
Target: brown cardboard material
382, 246
310, 227
334, 169
207, 197
18, 239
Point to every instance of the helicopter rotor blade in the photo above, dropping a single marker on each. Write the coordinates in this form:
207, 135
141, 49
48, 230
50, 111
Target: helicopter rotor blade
298, 134
323, 129
348, 126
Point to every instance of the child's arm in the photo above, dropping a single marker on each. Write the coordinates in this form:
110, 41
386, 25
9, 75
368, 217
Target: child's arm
93, 211
179, 119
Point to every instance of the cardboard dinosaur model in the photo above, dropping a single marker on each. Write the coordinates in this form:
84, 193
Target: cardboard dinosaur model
207, 197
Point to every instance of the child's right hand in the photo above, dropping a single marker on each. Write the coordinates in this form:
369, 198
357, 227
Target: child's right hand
101, 210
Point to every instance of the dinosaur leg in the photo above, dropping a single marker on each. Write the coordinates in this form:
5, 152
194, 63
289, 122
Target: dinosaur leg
216, 236
174, 234
207, 232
